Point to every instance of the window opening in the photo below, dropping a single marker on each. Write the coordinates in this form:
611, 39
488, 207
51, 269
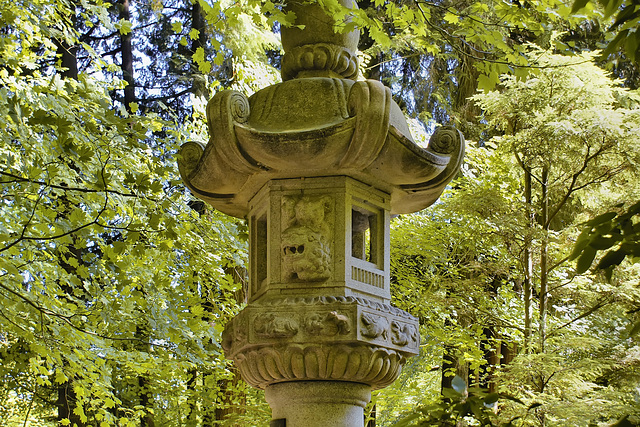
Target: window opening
364, 235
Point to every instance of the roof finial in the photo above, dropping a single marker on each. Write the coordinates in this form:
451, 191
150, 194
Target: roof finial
316, 50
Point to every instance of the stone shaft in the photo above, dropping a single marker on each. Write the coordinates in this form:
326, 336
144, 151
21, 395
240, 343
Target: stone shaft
319, 404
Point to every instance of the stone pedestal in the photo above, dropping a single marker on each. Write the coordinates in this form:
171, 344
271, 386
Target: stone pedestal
319, 404
321, 339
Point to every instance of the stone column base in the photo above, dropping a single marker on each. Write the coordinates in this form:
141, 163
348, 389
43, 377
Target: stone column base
319, 403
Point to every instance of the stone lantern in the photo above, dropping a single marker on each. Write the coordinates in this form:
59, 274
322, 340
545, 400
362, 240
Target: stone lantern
317, 164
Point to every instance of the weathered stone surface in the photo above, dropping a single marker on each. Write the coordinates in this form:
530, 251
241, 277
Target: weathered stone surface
321, 338
313, 49
306, 238
316, 127
331, 60
315, 404
317, 164
304, 241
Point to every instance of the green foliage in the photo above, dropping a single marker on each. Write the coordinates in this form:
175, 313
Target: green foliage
459, 404
577, 381
112, 288
619, 229
418, 385
466, 256
625, 24
616, 229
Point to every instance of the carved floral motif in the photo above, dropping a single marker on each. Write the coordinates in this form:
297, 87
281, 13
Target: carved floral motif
342, 300
319, 56
321, 338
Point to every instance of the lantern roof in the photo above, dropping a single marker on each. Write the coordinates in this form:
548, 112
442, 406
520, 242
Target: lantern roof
320, 121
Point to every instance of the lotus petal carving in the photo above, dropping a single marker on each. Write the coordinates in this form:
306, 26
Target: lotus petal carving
361, 363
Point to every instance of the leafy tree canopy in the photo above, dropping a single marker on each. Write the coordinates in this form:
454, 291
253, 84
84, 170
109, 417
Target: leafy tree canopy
115, 285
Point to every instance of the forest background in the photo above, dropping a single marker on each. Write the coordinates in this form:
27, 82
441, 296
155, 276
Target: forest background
115, 284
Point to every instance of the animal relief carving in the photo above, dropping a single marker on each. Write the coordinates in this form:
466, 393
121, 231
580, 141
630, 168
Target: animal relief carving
314, 324
306, 253
374, 326
270, 325
340, 321
330, 324
402, 334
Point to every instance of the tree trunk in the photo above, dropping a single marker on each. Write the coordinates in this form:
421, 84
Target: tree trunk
451, 362
225, 407
69, 53
544, 220
465, 110
66, 403
145, 394
509, 351
371, 419
528, 262
146, 400
127, 58
230, 387
491, 352
66, 399
198, 23
192, 403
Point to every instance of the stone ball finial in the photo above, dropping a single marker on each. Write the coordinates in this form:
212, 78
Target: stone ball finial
312, 47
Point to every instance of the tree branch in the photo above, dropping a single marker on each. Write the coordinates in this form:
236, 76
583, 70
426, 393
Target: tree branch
572, 187
559, 263
592, 310
164, 98
64, 187
57, 236
67, 319
525, 167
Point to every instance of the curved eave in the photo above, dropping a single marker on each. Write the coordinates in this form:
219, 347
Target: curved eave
415, 177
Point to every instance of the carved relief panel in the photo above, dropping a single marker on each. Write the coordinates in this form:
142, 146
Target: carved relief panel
306, 224
321, 338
